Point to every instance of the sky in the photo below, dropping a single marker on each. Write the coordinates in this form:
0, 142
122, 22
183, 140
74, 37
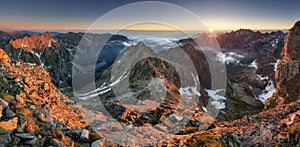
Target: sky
215, 14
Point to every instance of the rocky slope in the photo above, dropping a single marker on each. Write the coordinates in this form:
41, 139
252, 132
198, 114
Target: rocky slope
274, 127
34, 112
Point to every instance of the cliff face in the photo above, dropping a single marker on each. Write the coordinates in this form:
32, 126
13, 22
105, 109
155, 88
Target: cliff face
287, 74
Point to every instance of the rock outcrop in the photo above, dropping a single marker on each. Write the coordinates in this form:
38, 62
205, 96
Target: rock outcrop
35, 41
4, 58
287, 73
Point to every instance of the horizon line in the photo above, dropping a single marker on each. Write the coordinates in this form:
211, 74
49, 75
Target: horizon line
148, 30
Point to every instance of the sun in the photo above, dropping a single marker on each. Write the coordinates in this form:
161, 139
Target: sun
211, 30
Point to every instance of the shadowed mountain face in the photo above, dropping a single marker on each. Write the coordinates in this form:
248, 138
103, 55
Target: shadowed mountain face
142, 91
251, 43
199, 61
251, 59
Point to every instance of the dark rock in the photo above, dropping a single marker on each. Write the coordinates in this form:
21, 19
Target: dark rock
9, 113
25, 135
15, 140
98, 143
75, 133
56, 143
21, 123
198, 59
32, 141
195, 123
4, 104
5, 139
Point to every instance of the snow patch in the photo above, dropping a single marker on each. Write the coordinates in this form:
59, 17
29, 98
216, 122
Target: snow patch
261, 78
229, 58
191, 90
104, 88
204, 109
218, 100
126, 44
95, 94
267, 92
253, 65
275, 64
32, 64
39, 57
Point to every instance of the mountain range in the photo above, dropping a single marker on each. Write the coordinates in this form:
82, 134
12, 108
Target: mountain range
40, 104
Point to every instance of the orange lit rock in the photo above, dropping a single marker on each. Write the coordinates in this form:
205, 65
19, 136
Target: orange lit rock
9, 125
1, 111
4, 58
41, 117
46, 87
12, 33
47, 97
35, 41
20, 100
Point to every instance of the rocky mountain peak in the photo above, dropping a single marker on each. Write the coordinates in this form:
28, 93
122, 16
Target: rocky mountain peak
244, 32
287, 73
140, 45
35, 41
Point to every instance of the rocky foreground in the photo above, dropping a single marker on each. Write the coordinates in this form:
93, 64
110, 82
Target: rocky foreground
34, 112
